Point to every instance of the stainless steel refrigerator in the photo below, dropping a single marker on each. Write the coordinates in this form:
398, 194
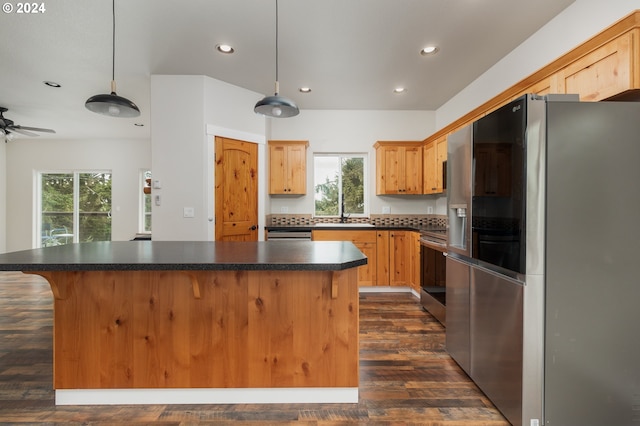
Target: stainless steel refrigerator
544, 238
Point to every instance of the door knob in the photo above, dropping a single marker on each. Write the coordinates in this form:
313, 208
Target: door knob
253, 228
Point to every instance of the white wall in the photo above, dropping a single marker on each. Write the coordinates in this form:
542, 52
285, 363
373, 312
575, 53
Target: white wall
26, 157
573, 26
355, 132
182, 108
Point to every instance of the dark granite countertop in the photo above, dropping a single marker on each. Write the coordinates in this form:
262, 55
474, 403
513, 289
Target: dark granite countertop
187, 255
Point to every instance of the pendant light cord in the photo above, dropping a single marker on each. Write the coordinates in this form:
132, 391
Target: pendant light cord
113, 41
276, 41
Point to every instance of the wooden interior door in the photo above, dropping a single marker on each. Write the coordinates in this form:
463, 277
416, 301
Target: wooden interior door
236, 190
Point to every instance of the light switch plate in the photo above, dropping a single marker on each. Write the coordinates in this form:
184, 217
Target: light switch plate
386, 209
188, 212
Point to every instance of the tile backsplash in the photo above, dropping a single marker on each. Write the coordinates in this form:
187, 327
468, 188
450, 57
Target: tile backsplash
375, 219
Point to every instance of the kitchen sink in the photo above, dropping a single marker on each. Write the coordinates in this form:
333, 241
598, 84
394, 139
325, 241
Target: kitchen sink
344, 225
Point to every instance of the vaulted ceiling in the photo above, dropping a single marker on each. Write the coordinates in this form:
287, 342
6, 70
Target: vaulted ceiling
351, 53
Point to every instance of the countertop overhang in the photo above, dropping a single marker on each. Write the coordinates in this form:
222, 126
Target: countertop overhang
188, 255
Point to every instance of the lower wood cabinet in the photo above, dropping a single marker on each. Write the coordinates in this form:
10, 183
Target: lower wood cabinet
382, 256
393, 256
399, 258
366, 243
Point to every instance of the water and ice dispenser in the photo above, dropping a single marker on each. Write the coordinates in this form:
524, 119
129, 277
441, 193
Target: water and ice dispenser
457, 226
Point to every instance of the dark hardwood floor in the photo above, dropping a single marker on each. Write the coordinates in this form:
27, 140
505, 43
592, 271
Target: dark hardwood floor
406, 377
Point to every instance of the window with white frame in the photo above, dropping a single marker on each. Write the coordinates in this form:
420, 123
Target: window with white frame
145, 202
340, 184
74, 207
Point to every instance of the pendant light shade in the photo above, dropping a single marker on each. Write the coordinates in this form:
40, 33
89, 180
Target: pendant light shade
276, 106
112, 104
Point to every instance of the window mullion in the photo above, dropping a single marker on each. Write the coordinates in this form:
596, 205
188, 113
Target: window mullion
76, 207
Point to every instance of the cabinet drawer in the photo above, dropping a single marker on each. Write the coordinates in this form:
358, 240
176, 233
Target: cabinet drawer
355, 236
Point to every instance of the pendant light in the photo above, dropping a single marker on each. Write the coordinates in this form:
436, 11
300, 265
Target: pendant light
112, 104
276, 106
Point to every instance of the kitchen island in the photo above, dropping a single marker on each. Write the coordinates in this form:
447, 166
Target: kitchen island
201, 322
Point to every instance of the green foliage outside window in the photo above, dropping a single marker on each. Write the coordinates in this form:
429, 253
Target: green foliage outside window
67, 198
346, 178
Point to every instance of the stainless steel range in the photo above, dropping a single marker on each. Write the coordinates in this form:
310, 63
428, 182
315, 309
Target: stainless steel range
433, 249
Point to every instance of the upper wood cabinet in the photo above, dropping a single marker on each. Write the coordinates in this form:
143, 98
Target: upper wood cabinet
398, 167
604, 72
607, 66
288, 167
434, 156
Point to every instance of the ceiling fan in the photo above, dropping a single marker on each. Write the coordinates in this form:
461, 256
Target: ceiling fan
7, 128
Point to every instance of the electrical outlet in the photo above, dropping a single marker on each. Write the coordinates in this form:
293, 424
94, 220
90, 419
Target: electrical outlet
429, 210
386, 209
284, 209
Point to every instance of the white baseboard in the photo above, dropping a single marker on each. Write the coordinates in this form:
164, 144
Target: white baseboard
388, 289
206, 396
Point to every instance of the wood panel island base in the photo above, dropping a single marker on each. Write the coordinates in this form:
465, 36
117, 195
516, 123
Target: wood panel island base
200, 322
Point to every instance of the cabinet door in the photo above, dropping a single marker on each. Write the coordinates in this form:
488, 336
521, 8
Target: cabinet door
603, 73
382, 258
441, 157
365, 241
277, 169
412, 168
367, 273
296, 169
390, 177
399, 259
434, 156
429, 171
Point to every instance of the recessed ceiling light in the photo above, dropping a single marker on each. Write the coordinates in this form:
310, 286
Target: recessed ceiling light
305, 89
52, 84
399, 90
429, 50
224, 48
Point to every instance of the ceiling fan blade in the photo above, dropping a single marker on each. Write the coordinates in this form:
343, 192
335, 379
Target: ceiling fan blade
35, 129
17, 129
